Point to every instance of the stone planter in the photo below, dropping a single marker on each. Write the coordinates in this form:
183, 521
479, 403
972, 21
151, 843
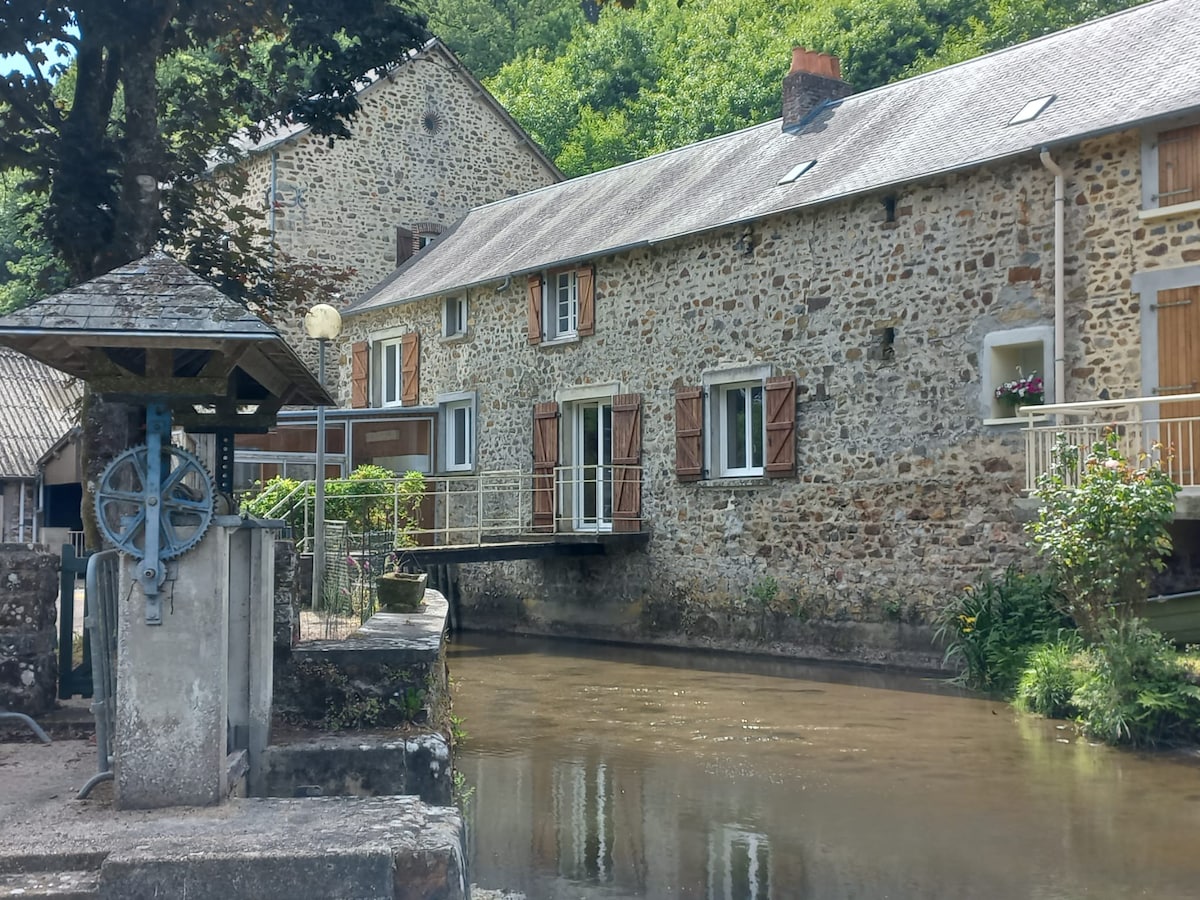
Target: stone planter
401, 591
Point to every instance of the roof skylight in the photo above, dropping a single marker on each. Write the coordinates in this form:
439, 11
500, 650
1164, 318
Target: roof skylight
1032, 110
797, 171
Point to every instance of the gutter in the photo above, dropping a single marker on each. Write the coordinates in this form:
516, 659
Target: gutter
1060, 340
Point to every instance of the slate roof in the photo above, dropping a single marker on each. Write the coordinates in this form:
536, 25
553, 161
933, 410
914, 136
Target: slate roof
1128, 68
37, 407
155, 297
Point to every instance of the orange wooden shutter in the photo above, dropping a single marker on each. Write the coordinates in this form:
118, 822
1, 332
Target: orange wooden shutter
360, 355
689, 433
626, 460
1179, 166
535, 309
781, 426
410, 369
404, 245
1178, 313
586, 283
545, 458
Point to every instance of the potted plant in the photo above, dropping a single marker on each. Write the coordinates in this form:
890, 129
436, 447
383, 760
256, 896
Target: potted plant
400, 591
1024, 390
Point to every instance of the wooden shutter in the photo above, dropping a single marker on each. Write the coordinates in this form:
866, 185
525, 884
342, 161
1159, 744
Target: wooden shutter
689, 433
360, 355
585, 279
410, 369
535, 309
1178, 313
1179, 166
405, 241
781, 426
627, 460
545, 458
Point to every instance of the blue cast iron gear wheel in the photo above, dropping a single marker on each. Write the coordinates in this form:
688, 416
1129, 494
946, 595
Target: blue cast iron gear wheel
185, 499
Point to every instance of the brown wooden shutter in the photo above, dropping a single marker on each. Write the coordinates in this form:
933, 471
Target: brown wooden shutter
689, 433
586, 284
1179, 165
360, 355
410, 369
535, 309
627, 460
405, 241
545, 458
1178, 313
781, 426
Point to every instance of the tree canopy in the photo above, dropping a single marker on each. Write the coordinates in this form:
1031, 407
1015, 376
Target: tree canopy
127, 105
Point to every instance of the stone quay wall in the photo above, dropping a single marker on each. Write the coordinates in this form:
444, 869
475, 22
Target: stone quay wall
28, 638
905, 489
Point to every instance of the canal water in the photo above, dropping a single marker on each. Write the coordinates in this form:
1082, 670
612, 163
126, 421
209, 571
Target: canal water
611, 772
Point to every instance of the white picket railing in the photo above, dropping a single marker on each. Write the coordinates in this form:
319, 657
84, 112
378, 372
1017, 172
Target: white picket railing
1166, 428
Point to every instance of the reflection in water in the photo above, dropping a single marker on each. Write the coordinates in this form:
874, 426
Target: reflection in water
616, 773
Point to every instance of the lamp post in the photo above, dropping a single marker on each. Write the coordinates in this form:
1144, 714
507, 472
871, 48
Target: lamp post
323, 323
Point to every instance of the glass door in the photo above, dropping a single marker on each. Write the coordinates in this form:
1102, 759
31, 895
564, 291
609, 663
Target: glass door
592, 469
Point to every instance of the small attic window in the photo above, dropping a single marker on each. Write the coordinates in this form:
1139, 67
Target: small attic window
1032, 110
797, 171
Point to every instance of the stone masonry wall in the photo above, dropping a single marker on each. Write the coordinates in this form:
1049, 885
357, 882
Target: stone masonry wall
426, 148
28, 659
903, 494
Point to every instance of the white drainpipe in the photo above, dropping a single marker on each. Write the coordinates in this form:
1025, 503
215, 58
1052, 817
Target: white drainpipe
21, 488
1060, 333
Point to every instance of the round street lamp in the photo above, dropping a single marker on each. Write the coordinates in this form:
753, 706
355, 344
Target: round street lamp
322, 323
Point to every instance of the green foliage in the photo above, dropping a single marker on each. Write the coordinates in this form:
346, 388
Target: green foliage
1102, 527
28, 267
991, 627
1136, 690
1053, 672
666, 73
485, 34
764, 592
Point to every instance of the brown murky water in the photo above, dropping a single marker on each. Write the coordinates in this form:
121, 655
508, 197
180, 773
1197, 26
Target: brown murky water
611, 772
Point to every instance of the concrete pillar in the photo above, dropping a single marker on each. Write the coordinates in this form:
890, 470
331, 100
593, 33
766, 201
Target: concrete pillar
170, 742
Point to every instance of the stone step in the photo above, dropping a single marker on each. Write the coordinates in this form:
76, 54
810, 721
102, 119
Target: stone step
67, 885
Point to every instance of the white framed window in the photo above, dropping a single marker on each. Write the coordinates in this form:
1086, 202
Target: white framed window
458, 431
1018, 354
454, 316
560, 316
735, 413
389, 372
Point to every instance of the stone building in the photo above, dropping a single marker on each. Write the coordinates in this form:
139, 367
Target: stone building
777, 351
429, 144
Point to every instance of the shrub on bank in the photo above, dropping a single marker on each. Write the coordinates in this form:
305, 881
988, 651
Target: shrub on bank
991, 627
1052, 674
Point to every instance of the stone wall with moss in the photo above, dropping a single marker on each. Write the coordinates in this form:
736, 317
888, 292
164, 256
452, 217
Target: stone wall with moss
28, 636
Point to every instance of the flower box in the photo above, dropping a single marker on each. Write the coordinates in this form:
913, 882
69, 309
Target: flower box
401, 591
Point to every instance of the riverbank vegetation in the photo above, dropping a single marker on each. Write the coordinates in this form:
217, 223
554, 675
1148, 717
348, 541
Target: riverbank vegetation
1066, 640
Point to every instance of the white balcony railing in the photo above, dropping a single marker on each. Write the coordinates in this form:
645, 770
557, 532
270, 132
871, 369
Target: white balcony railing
1166, 428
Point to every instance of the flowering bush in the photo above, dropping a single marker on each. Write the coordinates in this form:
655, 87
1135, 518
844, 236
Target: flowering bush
1025, 390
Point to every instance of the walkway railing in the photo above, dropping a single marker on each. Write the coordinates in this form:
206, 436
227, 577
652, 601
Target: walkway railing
1167, 428
485, 507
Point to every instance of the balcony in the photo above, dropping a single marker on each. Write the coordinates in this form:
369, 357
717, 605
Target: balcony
1168, 427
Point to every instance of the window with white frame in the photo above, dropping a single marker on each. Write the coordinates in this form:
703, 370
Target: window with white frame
740, 432
389, 373
560, 317
1015, 362
458, 432
454, 316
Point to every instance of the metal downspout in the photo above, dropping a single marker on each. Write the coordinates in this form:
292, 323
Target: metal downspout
22, 488
271, 208
1060, 339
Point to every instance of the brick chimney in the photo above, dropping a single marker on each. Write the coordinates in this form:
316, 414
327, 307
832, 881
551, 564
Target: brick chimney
814, 79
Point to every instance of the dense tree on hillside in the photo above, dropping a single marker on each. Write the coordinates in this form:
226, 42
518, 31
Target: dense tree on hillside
668, 73
28, 267
488, 33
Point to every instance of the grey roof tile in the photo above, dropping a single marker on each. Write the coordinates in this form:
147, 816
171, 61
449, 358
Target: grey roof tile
37, 407
1131, 67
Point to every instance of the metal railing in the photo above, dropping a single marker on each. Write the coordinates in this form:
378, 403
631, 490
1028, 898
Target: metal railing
1165, 428
489, 506
78, 541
